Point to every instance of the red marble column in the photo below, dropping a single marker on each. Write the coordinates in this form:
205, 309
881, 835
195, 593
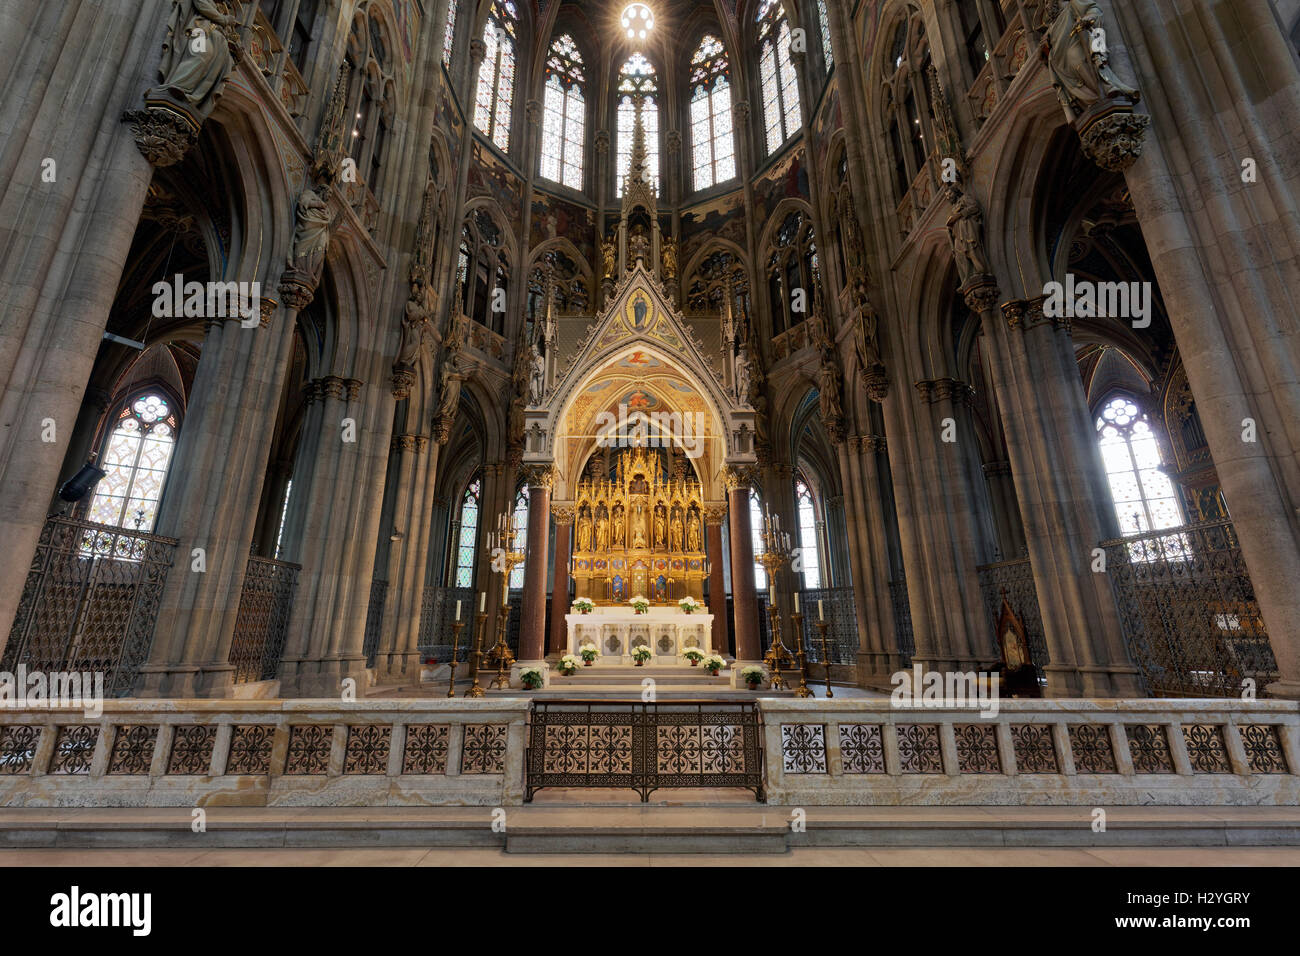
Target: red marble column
532, 623
743, 596
560, 587
713, 518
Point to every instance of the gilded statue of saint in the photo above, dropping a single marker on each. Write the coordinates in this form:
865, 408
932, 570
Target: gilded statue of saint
602, 533
693, 536
677, 531
638, 528
584, 533
620, 528
660, 540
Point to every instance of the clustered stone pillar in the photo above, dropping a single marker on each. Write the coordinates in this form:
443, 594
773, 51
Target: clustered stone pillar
397, 654
560, 586
532, 629
878, 653
713, 518
743, 596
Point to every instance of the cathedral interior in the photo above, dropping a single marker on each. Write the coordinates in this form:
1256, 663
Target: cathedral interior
349, 342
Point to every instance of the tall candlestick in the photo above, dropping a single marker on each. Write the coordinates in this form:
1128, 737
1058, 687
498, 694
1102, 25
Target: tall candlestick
796, 602
821, 613
458, 610
482, 600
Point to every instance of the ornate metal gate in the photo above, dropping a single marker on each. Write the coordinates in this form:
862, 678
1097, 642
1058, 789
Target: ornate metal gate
644, 747
1189, 611
90, 602
262, 623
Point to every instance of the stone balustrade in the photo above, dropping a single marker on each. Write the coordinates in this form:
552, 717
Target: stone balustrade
168, 753
1048, 752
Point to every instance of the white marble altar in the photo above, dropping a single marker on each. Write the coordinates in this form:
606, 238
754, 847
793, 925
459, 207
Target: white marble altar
616, 630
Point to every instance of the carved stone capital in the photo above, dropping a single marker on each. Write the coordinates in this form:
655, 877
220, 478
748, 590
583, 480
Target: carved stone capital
735, 478
602, 142
1115, 141
740, 110
402, 382
477, 54
162, 134
715, 514
333, 386
875, 382
673, 140
540, 476
563, 516
945, 390
405, 443
874, 443
533, 111
1014, 313
981, 293
297, 289
267, 305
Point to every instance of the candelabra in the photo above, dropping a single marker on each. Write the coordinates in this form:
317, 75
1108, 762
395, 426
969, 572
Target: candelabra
796, 620
774, 556
476, 689
822, 625
505, 547
455, 647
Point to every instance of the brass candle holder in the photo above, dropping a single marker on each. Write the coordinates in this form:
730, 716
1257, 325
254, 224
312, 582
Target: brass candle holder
455, 647
476, 689
826, 657
796, 620
776, 654
500, 655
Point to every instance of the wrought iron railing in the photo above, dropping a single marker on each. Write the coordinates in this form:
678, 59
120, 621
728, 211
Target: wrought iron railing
902, 621
90, 602
437, 612
841, 614
1189, 612
374, 619
1016, 579
262, 623
644, 746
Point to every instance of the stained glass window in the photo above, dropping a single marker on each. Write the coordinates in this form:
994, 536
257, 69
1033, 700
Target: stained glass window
823, 20
713, 150
808, 536
637, 76
520, 522
776, 72
135, 458
467, 543
564, 114
496, 77
756, 538
449, 36
1145, 499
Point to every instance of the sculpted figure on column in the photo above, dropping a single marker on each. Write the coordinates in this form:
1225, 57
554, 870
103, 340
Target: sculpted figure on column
536, 374
584, 532
196, 56
602, 534
1075, 49
311, 233
966, 229
676, 531
620, 527
449, 399
660, 529
693, 536
414, 322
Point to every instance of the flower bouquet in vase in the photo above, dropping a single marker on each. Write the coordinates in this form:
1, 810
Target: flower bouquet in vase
641, 653
694, 655
583, 606
752, 675
568, 665
689, 605
589, 653
713, 663
531, 678
639, 604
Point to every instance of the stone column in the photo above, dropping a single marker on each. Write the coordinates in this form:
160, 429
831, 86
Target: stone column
397, 655
532, 624
560, 588
63, 241
743, 596
878, 652
212, 503
714, 515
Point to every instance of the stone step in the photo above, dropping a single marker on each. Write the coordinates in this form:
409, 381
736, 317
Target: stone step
624, 692
663, 826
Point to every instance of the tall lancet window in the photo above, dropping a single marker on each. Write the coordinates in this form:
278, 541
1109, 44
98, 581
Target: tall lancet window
449, 34
565, 114
776, 71
519, 520
809, 537
713, 148
756, 538
496, 77
824, 22
637, 76
1145, 498
467, 539
136, 458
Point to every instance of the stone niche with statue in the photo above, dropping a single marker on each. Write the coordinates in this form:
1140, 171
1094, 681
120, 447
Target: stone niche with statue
639, 534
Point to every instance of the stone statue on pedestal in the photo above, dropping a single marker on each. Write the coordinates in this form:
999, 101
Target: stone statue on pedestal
1075, 50
966, 229
196, 56
311, 233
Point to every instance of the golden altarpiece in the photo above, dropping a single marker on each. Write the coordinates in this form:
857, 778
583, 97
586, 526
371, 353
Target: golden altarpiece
639, 533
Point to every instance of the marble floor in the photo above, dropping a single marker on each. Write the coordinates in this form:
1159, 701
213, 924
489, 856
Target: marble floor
836, 856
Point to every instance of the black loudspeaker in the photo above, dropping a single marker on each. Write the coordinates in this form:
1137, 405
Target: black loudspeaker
76, 487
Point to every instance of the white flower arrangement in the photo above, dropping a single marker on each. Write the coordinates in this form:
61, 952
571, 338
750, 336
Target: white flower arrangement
689, 605
693, 654
531, 677
569, 664
589, 651
641, 653
713, 662
752, 674
639, 604
584, 606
